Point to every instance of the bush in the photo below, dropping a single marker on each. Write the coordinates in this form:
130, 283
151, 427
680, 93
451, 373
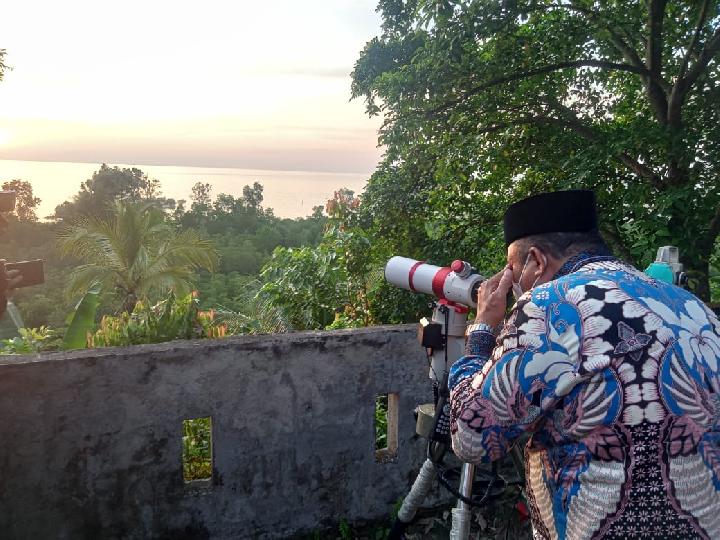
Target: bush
166, 321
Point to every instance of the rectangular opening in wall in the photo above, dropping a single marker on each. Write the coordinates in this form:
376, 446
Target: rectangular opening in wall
197, 450
386, 427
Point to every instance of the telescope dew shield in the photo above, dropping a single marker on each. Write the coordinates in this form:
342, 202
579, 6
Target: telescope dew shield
444, 282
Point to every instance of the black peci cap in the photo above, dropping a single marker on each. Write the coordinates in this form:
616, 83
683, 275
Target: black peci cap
557, 211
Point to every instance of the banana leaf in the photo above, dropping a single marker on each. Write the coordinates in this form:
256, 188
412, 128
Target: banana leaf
83, 320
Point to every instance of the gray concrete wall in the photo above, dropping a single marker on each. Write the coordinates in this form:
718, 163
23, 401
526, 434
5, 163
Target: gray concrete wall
91, 441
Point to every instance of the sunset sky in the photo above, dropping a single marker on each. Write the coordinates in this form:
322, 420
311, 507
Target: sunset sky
219, 83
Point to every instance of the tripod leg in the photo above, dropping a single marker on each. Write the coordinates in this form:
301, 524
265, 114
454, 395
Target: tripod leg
461, 514
413, 500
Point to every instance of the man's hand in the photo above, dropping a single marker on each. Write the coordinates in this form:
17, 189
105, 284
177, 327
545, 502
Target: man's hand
492, 298
9, 280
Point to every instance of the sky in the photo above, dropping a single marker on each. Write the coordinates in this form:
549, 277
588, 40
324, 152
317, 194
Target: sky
218, 83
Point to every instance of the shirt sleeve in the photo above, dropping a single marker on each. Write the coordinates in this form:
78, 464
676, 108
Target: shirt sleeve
478, 348
495, 395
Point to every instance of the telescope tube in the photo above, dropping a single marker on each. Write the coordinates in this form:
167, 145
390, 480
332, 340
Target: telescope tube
444, 282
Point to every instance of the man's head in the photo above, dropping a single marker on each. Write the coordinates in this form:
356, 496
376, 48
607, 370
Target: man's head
544, 231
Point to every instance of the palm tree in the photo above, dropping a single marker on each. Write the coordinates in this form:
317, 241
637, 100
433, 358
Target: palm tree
134, 253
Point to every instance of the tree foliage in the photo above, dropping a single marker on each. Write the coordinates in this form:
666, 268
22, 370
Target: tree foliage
134, 253
242, 231
3, 66
25, 200
486, 101
340, 282
108, 185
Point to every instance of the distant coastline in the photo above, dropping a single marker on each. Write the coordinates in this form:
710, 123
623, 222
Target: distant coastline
290, 194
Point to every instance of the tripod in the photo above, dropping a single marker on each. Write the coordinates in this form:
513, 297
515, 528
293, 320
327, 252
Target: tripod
444, 336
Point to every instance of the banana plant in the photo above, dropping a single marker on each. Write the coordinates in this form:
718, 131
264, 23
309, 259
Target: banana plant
82, 320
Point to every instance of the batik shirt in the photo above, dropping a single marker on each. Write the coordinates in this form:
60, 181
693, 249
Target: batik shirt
616, 377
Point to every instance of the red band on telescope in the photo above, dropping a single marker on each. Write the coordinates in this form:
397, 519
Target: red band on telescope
412, 273
438, 281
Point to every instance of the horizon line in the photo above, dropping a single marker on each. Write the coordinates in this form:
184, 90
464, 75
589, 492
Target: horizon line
155, 164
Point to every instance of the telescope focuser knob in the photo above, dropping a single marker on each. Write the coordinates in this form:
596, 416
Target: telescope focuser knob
461, 268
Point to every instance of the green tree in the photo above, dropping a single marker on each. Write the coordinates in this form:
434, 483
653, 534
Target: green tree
201, 198
340, 282
253, 196
107, 185
306, 285
486, 101
134, 254
25, 200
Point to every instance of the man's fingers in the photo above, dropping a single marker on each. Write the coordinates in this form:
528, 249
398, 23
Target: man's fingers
505, 282
492, 282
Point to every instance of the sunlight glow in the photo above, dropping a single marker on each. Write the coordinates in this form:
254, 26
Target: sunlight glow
173, 82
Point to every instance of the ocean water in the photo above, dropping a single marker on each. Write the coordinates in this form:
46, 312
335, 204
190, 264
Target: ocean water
289, 193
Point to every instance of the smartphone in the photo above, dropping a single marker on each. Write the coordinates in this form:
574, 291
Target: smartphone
32, 272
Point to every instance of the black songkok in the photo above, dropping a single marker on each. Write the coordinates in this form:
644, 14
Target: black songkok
557, 211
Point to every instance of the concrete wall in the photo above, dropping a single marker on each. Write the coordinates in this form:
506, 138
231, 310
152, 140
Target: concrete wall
91, 441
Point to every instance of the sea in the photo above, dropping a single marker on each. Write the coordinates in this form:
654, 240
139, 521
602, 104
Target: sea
290, 194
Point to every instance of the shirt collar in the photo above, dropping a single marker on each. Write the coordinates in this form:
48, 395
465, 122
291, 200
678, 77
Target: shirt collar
574, 263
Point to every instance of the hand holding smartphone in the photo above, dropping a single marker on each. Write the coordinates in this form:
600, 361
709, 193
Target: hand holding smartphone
25, 273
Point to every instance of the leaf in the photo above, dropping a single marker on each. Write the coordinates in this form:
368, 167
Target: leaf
83, 320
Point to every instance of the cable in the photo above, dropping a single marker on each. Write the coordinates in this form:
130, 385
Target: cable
495, 483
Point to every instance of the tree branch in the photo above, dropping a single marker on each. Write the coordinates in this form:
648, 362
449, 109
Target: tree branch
628, 52
684, 84
587, 62
656, 14
631, 54
653, 59
702, 16
522, 121
570, 121
712, 46
574, 123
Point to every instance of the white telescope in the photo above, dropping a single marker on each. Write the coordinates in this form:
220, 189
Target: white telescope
455, 283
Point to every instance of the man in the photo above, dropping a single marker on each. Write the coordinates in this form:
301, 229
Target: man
614, 374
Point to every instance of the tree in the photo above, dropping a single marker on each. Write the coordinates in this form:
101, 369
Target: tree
25, 201
3, 66
486, 101
201, 196
253, 196
107, 185
340, 282
134, 253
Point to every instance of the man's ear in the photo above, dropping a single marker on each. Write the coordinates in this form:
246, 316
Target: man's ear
541, 260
